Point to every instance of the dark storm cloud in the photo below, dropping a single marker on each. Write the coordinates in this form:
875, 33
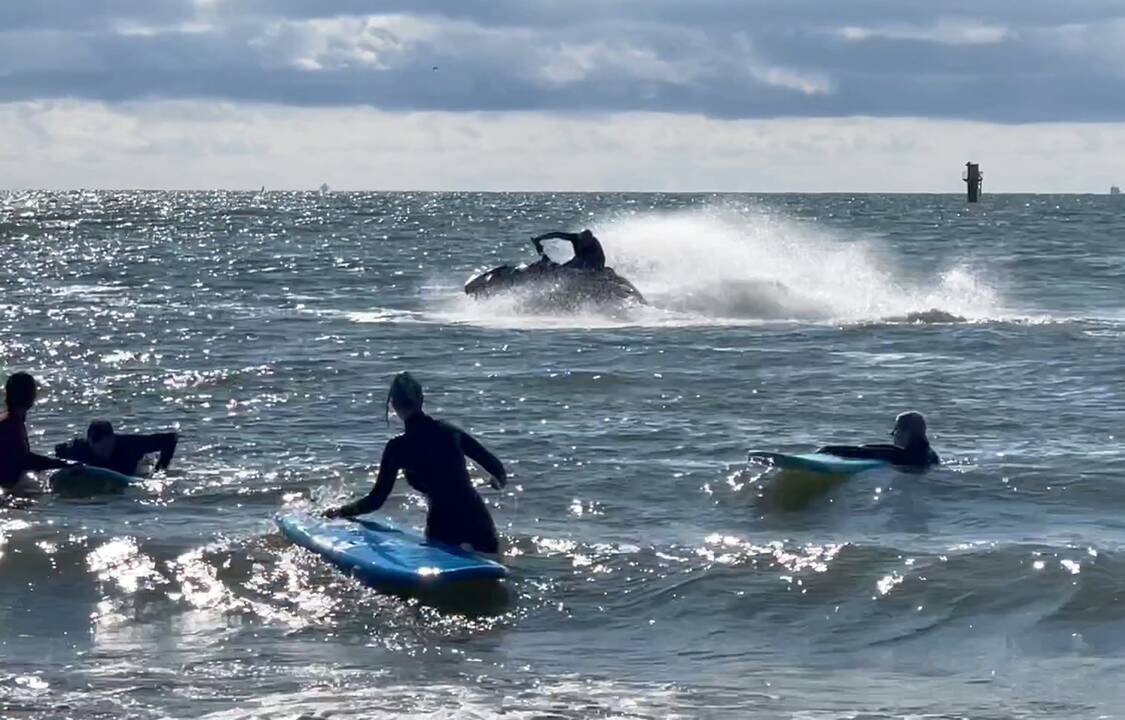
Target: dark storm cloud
1010, 62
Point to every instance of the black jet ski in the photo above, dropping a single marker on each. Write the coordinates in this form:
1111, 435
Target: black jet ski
556, 284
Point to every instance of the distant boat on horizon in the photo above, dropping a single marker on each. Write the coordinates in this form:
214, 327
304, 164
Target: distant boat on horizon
1114, 190
324, 188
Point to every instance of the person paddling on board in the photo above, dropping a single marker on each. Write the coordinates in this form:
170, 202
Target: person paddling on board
16, 458
588, 253
910, 448
118, 452
431, 453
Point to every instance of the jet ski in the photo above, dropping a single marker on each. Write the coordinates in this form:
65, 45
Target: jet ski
556, 284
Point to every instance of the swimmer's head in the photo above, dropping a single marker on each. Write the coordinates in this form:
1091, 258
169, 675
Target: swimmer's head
100, 437
20, 391
910, 429
405, 395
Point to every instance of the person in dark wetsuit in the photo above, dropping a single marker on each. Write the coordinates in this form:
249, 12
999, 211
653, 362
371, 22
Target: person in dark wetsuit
431, 453
16, 457
588, 253
121, 453
910, 448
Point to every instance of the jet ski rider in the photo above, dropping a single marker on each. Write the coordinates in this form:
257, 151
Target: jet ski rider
588, 253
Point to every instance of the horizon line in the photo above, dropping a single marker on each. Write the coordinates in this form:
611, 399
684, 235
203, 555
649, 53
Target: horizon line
353, 191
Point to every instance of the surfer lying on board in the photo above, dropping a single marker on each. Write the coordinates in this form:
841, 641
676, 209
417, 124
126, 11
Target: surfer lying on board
588, 253
432, 455
121, 453
16, 457
910, 448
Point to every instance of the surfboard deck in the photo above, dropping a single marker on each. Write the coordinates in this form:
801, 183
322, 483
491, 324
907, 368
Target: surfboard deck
818, 462
380, 553
89, 480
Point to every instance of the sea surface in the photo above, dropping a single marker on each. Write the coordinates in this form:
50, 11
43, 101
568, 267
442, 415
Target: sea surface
651, 577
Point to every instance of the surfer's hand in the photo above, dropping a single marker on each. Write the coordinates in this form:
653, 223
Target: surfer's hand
497, 483
333, 513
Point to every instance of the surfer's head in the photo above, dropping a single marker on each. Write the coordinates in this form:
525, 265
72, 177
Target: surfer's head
586, 237
20, 391
405, 395
910, 429
100, 437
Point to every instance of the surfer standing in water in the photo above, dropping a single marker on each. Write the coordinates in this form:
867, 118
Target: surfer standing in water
910, 448
588, 253
432, 455
16, 458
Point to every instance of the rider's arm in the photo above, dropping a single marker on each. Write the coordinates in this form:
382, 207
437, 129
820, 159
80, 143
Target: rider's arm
538, 240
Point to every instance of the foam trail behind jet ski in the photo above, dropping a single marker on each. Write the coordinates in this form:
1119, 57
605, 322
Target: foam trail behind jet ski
745, 263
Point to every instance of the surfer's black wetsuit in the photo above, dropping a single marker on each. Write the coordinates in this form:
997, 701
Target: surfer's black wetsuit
432, 455
916, 455
128, 451
16, 457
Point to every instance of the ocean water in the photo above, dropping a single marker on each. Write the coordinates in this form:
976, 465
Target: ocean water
650, 578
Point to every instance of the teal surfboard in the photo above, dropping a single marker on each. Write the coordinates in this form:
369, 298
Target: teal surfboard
380, 553
818, 462
89, 480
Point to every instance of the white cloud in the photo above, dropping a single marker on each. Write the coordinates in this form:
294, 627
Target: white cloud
375, 42
206, 145
568, 63
1104, 42
806, 83
944, 31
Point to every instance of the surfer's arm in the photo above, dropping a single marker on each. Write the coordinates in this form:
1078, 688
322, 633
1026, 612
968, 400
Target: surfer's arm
69, 450
856, 452
389, 466
39, 463
163, 443
887, 453
481, 456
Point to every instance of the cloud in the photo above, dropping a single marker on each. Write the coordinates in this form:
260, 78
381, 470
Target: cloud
948, 32
988, 60
202, 144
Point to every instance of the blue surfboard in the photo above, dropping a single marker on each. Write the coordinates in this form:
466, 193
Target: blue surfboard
89, 480
818, 462
379, 553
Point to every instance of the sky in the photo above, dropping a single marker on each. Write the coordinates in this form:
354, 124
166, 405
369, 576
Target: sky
672, 95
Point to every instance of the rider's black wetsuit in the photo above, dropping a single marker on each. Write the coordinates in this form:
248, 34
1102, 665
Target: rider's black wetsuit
588, 253
432, 455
